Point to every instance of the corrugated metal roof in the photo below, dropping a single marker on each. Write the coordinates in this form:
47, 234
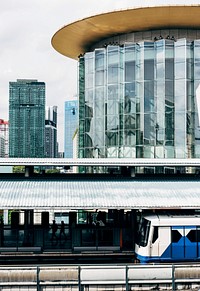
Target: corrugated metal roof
103, 193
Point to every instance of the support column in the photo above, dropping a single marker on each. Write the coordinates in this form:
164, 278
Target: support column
29, 171
28, 227
132, 171
5, 216
133, 227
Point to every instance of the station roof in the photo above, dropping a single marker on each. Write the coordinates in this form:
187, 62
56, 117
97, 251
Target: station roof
96, 192
76, 38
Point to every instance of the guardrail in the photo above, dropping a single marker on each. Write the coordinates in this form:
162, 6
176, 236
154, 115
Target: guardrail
129, 162
173, 277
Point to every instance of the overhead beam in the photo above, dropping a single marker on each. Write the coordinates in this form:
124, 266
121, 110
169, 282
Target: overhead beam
105, 162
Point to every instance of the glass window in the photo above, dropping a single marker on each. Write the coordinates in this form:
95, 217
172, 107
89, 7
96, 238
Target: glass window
180, 70
198, 234
148, 96
88, 237
130, 71
155, 234
99, 60
180, 51
113, 74
99, 78
197, 70
175, 236
160, 52
113, 92
192, 235
169, 92
180, 121
143, 232
160, 71
129, 90
169, 68
129, 50
180, 152
197, 49
149, 70
89, 63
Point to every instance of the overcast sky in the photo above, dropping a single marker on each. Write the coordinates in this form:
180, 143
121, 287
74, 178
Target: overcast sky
26, 29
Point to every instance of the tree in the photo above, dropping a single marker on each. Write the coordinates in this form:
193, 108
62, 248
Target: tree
18, 169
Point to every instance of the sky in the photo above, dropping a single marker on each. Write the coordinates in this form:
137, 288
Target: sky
26, 29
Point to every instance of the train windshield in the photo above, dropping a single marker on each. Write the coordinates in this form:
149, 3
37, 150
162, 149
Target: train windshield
143, 232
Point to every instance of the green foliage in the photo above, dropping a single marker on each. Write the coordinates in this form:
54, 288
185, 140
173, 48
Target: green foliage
18, 169
52, 171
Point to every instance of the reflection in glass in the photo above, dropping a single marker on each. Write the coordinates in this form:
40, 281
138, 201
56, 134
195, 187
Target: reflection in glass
141, 100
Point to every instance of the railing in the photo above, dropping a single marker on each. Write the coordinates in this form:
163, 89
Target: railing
137, 162
80, 278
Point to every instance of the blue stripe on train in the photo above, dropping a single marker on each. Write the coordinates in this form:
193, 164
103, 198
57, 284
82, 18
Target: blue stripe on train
183, 250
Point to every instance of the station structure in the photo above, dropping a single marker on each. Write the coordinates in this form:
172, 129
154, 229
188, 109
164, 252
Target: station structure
100, 211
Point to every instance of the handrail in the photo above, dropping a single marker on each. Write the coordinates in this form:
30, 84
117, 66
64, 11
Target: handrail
126, 275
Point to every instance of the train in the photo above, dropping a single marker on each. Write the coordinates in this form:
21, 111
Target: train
168, 238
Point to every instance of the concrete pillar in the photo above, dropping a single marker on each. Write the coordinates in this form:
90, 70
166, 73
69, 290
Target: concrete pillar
5, 216
28, 224
51, 216
133, 226
132, 171
29, 171
28, 218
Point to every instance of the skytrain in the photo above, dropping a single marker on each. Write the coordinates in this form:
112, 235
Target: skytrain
168, 238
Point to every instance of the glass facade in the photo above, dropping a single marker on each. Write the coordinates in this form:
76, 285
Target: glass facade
140, 100
26, 118
51, 145
71, 124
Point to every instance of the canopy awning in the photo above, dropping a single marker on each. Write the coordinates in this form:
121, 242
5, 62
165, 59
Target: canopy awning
99, 193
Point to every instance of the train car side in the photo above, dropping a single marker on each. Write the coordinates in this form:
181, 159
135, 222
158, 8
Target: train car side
168, 238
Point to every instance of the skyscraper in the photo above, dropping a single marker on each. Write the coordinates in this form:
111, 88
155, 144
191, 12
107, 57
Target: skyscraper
2, 146
51, 150
26, 118
4, 133
71, 124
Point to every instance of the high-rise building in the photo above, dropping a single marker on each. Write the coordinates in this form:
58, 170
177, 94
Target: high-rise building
2, 146
51, 148
26, 118
4, 133
139, 81
71, 124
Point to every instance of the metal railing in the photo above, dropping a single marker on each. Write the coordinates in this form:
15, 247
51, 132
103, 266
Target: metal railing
137, 162
80, 278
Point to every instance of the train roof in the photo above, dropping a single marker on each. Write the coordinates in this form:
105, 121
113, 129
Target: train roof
174, 220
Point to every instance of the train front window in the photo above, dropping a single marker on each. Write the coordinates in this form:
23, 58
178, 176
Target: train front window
155, 234
143, 232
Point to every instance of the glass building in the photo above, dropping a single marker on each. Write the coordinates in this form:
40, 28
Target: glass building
141, 100
51, 146
71, 124
4, 127
139, 82
26, 118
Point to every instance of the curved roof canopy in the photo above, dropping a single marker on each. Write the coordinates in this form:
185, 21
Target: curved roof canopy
75, 38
